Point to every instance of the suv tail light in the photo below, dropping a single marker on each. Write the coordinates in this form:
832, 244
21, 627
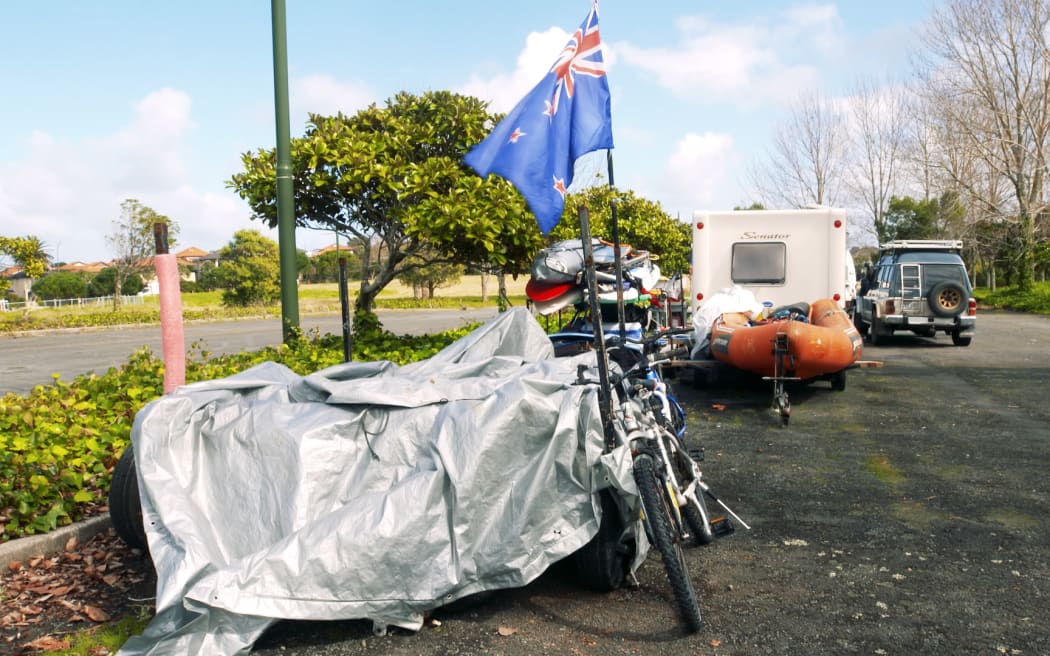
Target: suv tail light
891, 307
971, 310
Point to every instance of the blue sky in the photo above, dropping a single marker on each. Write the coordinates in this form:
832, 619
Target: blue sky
105, 101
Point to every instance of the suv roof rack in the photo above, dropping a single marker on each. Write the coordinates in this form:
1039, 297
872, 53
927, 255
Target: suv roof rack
922, 245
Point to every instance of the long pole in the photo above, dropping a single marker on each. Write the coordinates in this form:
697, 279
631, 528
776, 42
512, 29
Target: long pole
618, 265
605, 408
285, 191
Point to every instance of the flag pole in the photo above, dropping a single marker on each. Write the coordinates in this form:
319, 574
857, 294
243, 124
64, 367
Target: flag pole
618, 263
605, 408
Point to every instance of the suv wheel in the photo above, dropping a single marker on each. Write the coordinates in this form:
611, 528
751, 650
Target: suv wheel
947, 299
875, 336
858, 323
960, 340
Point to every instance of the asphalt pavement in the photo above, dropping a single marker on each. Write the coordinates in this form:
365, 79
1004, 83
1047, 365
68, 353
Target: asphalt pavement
29, 359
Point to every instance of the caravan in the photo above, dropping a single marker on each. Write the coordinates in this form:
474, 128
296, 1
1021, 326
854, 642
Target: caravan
781, 256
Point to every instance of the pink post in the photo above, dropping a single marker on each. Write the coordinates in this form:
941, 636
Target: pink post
173, 343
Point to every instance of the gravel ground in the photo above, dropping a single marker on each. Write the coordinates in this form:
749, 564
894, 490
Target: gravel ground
907, 514
904, 515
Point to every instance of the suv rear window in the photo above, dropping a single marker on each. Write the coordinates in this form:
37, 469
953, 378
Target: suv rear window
933, 274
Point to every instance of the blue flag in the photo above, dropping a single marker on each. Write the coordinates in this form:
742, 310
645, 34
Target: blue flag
565, 116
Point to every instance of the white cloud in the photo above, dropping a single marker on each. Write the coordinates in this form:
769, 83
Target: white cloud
747, 63
504, 90
695, 174
68, 193
323, 94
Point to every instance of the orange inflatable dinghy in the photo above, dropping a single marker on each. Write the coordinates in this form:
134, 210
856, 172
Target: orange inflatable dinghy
809, 342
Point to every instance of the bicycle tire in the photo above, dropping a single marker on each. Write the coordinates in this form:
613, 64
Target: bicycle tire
658, 521
696, 518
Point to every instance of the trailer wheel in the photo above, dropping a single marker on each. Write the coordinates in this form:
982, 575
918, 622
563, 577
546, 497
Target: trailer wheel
125, 509
838, 381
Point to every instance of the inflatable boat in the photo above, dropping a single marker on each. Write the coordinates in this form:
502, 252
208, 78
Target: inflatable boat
797, 342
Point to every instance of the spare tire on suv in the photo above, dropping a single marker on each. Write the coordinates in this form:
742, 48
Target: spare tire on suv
947, 299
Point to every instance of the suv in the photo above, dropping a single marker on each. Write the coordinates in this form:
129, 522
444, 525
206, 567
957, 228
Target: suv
920, 286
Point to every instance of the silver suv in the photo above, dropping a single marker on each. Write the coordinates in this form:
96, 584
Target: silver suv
920, 286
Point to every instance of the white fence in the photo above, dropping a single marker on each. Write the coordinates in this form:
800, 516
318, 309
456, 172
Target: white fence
98, 301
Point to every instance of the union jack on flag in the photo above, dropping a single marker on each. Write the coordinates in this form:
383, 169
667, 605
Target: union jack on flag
565, 116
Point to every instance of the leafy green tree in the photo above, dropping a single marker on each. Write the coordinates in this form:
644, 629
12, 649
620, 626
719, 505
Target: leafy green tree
426, 279
104, 283
907, 218
643, 224
60, 284
325, 267
932, 218
27, 252
250, 269
392, 178
133, 243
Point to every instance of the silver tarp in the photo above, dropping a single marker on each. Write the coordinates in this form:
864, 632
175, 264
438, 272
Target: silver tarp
366, 490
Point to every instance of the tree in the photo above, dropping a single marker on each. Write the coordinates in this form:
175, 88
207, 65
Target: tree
643, 224
60, 284
104, 283
325, 267
879, 142
807, 162
28, 253
426, 279
392, 178
250, 269
989, 64
133, 243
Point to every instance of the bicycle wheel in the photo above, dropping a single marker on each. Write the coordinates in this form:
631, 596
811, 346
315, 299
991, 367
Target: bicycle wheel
695, 510
659, 523
698, 519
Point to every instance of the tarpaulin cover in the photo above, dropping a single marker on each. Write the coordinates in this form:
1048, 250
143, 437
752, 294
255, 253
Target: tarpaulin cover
366, 490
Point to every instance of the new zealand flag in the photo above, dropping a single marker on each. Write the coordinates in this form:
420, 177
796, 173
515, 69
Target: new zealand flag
565, 116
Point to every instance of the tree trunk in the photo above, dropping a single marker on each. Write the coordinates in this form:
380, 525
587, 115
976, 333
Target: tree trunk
117, 295
485, 285
503, 301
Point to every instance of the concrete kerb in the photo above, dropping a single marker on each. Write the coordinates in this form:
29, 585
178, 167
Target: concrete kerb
22, 549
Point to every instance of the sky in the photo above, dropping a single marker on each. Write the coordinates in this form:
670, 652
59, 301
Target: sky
157, 101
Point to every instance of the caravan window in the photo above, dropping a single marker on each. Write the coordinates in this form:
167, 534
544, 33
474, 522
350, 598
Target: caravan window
759, 262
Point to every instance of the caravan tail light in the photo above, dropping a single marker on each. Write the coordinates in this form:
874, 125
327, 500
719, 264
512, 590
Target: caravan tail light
699, 296
699, 225
838, 223
837, 297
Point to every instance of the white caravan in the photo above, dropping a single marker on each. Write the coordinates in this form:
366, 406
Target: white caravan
781, 256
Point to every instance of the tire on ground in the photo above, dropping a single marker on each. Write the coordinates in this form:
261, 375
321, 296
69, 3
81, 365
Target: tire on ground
663, 539
602, 563
125, 509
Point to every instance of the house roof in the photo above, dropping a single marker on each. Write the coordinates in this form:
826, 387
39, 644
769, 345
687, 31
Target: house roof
191, 253
90, 267
343, 248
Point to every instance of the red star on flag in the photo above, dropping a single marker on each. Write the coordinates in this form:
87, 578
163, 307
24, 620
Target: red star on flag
559, 186
517, 134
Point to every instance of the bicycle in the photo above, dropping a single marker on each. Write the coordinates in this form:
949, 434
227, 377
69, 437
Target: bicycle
648, 419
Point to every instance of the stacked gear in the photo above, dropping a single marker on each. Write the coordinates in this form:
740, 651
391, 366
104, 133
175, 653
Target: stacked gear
559, 281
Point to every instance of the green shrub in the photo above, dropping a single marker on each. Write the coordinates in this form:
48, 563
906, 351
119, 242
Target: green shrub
1036, 301
59, 443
